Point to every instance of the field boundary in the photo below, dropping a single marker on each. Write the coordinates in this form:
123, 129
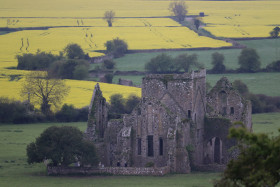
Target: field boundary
143, 171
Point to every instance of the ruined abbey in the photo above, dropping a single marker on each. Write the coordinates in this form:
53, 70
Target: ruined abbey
176, 125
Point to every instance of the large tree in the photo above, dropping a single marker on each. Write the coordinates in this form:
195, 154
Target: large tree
116, 47
187, 62
218, 63
258, 162
109, 16
249, 60
160, 64
74, 51
61, 146
179, 9
43, 90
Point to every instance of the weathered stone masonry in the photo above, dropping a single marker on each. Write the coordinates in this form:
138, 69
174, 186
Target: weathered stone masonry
176, 125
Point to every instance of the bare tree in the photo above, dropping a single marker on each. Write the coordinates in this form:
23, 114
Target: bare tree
109, 16
179, 9
43, 90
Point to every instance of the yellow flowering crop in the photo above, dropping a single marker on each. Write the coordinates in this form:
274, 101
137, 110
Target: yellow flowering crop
80, 92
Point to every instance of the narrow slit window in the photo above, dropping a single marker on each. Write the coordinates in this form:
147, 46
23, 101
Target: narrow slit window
139, 146
150, 146
160, 146
189, 114
231, 110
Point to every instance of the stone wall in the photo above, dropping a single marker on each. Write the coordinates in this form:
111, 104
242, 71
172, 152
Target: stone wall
125, 82
108, 170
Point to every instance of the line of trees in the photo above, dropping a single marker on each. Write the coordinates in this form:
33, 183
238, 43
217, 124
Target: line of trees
164, 63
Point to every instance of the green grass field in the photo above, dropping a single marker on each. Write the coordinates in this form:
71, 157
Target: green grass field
14, 171
266, 49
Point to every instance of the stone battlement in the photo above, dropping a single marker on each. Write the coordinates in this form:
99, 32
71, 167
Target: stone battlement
191, 75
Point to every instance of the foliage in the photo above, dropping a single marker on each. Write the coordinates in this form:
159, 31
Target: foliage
109, 16
260, 103
44, 90
62, 146
274, 66
38, 61
249, 60
258, 162
186, 62
109, 64
69, 69
218, 63
116, 47
241, 87
119, 105
179, 9
109, 77
74, 51
263, 103
131, 102
164, 63
197, 22
275, 32
68, 113
17, 112
80, 72
160, 64
149, 164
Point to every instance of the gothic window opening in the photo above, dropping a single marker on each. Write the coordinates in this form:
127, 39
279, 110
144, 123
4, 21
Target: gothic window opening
139, 146
118, 164
231, 110
189, 114
150, 146
160, 146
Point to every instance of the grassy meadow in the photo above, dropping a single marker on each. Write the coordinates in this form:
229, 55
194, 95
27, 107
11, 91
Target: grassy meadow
14, 170
267, 49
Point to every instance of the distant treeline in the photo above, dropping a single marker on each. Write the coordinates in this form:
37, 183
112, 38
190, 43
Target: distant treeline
12, 111
72, 63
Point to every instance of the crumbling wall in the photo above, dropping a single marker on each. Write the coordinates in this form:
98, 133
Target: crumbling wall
97, 117
147, 171
224, 100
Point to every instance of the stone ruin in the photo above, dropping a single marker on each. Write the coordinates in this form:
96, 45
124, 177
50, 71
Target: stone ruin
176, 124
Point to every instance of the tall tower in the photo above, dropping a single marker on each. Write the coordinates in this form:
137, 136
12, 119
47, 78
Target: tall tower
97, 117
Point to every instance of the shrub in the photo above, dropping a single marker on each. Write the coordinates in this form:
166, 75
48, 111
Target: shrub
274, 66
116, 47
38, 61
109, 64
109, 77
17, 112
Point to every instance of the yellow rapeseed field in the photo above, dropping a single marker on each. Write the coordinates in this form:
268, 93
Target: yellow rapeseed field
239, 19
80, 92
148, 33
